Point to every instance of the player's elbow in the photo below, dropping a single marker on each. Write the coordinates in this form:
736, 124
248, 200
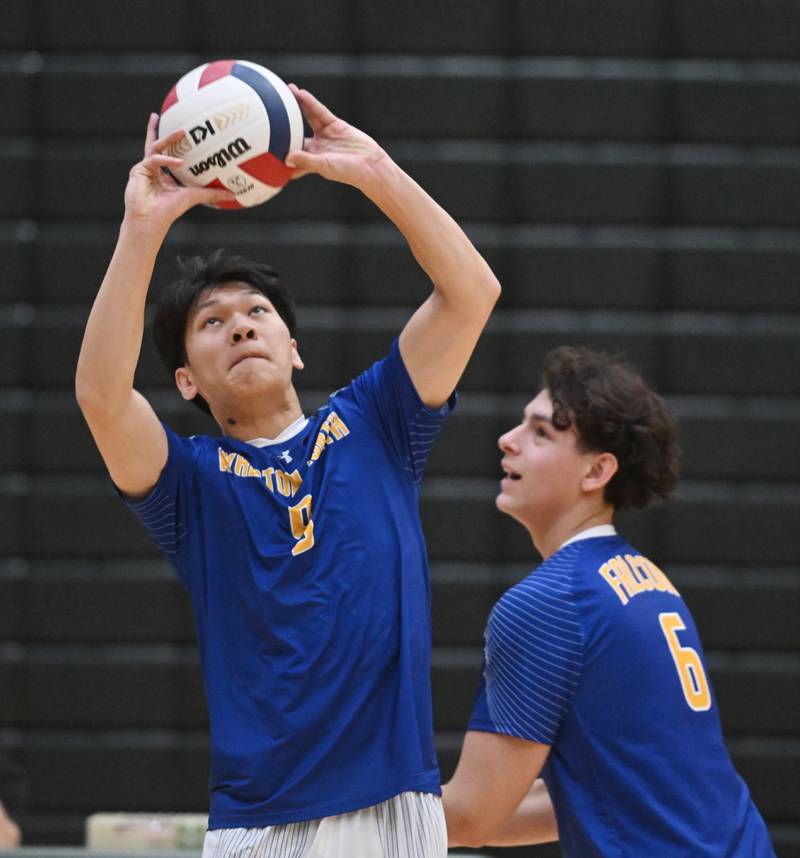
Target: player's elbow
90, 398
478, 305
85, 394
491, 289
88, 391
465, 824
98, 401
101, 411
471, 832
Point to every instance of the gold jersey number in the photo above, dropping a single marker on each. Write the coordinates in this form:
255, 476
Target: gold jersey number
302, 525
687, 663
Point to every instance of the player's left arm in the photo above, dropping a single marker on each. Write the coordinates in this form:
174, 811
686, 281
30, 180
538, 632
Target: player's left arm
494, 798
439, 339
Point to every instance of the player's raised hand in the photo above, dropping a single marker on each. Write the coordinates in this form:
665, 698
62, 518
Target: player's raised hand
153, 199
337, 151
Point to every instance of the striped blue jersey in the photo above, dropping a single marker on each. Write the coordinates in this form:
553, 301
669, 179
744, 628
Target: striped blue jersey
596, 654
308, 575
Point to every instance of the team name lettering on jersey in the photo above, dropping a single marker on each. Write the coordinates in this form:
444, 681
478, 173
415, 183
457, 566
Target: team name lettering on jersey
333, 429
275, 479
631, 575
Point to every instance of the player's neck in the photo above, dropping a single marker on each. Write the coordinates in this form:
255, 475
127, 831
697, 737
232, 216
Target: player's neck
259, 418
550, 537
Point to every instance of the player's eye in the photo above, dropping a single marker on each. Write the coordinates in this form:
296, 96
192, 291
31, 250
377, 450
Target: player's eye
260, 308
540, 432
211, 320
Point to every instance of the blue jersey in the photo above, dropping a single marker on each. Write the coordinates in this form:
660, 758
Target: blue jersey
596, 654
307, 569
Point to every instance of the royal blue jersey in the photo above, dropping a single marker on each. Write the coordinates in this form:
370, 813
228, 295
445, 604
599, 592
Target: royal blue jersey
307, 570
596, 654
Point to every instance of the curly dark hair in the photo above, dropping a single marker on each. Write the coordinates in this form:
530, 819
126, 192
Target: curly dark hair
613, 410
197, 275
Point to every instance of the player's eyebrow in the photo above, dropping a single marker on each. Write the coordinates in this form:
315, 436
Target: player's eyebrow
529, 417
209, 302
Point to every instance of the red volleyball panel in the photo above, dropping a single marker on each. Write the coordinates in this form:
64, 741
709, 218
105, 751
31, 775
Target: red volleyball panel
214, 71
267, 169
172, 97
228, 204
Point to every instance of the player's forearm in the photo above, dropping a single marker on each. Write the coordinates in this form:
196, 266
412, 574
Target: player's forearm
10, 834
469, 814
459, 273
534, 821
113, 337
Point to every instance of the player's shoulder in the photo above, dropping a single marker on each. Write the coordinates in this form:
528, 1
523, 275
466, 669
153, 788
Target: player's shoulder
541, 608
563, 567
563, 577
587, 552
189, 443
197, 450
375, 382
549, 587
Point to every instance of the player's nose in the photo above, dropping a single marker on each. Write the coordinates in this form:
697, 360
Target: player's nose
243, 331
506, 442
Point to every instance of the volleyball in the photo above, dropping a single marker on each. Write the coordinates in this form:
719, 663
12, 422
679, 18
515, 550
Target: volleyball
240, 121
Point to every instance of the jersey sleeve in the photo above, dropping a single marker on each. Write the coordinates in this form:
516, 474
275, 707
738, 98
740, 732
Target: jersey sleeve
163, 513
532, 664
410, 427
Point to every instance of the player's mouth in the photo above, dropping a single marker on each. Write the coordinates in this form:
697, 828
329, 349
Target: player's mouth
247, 356
510, 476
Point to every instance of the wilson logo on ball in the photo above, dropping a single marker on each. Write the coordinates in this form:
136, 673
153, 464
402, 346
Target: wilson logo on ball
221, 157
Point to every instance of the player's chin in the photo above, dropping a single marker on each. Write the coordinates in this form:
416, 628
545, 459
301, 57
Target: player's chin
253, 371
252, 382
504, 503
513, 506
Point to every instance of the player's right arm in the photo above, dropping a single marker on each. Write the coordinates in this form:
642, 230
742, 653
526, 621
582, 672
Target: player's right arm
533, 822
492, 797
127, 432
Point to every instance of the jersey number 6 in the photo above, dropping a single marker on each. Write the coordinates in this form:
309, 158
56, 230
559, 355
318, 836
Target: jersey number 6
302, 525
688, 664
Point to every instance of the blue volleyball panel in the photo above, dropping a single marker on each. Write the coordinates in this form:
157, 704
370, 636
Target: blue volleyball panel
279, 130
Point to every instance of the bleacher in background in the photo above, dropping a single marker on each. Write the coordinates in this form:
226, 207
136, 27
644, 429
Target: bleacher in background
630, 168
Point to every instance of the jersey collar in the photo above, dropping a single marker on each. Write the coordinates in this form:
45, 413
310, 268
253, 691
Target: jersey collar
289, 432
592, 533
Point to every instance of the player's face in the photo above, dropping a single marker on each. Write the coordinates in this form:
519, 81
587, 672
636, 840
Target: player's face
237, 347
543, 466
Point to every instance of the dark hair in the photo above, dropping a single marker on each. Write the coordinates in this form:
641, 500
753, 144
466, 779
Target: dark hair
613, 410
197, 275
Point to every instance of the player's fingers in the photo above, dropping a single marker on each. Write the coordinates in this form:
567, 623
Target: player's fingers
314, 111
150, 136
163, 142
303, 163
162, 161
168, 180
210, 196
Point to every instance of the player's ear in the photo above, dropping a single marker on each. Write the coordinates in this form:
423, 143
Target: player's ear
602, 467
186, 386
297, 361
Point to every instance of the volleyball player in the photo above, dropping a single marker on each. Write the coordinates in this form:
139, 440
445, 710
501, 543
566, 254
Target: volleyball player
298, 537
594, 675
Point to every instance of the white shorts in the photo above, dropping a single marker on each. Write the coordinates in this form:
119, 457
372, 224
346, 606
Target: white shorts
410, 825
